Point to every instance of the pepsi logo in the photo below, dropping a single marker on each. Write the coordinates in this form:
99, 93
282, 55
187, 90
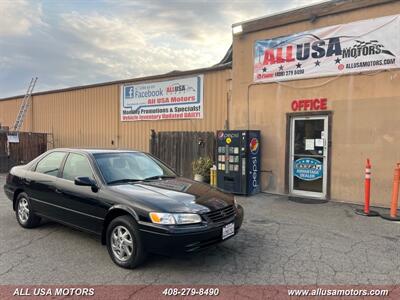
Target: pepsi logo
254, 145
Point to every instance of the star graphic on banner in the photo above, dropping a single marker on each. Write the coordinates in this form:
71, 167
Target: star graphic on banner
317, 63
280, 68
337, 60
298, 66
264, 69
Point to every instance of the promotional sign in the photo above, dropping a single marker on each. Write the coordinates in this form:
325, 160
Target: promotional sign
307, 169
173, 99
361, 46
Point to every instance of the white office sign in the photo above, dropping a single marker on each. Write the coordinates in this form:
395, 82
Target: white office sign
366, 45
173, 99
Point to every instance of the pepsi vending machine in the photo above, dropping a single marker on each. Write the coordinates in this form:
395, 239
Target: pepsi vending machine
238, 161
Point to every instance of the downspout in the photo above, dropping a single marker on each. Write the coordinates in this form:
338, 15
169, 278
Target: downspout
32, 123
248, 115
228, 102
248, 101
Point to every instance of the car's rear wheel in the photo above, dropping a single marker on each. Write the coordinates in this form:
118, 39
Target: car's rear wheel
24, 213
124, 244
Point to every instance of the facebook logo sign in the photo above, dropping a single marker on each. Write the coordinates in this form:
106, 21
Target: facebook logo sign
128, 91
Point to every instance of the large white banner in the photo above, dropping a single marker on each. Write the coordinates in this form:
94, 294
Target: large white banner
173, 99
341, 49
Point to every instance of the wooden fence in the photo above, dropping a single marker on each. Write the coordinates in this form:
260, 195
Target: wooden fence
30, 146
179, 149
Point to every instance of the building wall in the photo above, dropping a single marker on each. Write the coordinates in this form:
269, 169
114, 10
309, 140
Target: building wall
364, 114
8, 114
89, 117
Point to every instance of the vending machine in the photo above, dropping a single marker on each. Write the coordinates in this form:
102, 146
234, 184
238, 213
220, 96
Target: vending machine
238, 161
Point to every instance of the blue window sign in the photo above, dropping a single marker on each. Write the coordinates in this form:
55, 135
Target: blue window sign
308, 169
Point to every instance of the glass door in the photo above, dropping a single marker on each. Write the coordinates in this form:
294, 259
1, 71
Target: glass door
308, 156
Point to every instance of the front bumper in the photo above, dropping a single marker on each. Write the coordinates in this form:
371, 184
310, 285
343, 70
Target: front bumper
185, 239
9, 192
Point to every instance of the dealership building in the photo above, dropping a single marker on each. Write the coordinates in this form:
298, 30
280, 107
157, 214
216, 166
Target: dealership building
321, 83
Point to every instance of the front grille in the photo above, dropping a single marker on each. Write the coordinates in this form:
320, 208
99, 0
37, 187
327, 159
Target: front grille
220, 214
201, 245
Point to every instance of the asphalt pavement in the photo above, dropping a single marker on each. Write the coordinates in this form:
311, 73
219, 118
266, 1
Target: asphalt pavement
281, 242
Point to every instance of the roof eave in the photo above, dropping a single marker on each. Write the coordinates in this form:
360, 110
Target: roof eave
306, 13
172, 74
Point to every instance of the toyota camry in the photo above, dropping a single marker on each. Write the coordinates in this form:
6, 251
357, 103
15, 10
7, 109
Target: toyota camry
135, 203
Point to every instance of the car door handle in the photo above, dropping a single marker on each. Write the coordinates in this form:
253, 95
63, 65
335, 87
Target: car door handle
58, 191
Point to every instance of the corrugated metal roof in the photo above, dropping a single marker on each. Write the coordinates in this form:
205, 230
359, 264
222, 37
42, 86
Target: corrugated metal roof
220, 66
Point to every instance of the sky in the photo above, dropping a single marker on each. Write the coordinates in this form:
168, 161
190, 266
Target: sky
76, 42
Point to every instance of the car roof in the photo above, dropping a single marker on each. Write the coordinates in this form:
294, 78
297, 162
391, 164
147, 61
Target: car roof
94, 151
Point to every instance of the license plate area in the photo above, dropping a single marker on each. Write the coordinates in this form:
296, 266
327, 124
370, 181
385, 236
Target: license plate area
228, 230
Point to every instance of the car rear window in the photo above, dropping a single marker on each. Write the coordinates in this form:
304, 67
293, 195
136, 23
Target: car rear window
51, 163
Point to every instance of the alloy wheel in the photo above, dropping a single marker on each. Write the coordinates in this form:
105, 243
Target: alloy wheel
122, 244
23, 210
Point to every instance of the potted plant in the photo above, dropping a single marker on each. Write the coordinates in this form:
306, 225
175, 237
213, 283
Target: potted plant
201, 169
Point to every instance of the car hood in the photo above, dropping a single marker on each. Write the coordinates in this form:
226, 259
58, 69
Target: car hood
175, 195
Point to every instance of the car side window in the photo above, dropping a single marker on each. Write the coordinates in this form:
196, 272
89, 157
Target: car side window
77, 165
51, 163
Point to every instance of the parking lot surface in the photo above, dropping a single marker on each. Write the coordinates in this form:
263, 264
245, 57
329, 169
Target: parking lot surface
281, 242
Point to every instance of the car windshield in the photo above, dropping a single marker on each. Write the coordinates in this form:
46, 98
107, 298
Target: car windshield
130, 167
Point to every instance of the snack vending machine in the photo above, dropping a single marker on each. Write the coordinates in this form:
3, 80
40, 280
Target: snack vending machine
238, 161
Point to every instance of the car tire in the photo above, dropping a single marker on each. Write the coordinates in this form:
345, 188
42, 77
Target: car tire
24, 213
124, 243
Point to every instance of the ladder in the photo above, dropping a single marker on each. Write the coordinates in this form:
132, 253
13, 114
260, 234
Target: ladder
24, 106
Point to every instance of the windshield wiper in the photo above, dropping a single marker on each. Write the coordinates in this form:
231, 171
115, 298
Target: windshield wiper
158, 177
126, 180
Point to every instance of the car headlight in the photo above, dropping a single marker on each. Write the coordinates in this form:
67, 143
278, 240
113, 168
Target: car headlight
170, 219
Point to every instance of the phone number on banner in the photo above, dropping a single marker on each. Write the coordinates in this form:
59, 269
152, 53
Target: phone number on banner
191, 292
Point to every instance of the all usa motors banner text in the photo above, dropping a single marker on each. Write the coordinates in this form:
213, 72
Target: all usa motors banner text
360, 46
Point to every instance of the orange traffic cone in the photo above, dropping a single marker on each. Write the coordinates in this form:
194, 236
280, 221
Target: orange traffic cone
395, 197
367, 193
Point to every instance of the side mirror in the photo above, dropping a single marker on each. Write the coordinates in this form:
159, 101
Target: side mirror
86, 181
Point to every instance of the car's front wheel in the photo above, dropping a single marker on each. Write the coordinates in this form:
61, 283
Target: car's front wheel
124, 244
24, 213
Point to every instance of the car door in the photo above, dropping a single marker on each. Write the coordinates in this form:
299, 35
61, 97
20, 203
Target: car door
82, 206
40, 184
